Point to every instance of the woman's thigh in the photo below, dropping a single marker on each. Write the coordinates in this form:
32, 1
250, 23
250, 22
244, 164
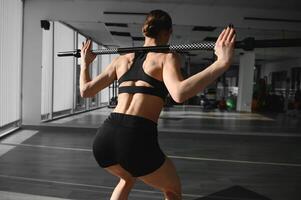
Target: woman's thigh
165, 178
118, 171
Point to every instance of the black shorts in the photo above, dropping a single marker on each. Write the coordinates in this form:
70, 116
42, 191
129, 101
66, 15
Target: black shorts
130, 141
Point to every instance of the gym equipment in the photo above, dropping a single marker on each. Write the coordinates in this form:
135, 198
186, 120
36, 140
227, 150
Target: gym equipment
248, 44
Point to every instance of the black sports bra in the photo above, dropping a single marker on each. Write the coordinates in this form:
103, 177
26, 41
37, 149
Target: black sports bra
135, 73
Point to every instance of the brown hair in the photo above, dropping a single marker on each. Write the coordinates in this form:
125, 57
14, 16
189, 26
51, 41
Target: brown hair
156, 21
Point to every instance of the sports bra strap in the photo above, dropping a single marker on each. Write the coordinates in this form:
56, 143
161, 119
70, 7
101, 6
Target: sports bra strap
142, 89
136, 73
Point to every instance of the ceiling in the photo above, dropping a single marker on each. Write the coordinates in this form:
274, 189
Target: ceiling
266, 4
267, 19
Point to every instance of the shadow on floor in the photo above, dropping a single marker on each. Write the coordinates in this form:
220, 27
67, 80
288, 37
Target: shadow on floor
234, 193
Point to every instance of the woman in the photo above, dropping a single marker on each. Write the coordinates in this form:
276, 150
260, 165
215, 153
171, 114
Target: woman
126, 145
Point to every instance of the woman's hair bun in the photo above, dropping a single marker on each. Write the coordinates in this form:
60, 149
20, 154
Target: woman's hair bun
156, 21
151, 29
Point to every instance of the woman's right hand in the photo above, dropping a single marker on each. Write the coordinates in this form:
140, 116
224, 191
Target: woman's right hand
224, 46
87, 56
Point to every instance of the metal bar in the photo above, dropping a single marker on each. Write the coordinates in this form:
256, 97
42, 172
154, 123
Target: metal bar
277, 43
247, 44
172, 48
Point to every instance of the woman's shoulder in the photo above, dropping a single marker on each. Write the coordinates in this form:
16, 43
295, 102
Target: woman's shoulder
126, 57
166, 55
172, 56
122, 59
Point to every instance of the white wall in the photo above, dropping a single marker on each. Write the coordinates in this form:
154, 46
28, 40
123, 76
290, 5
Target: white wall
10, 60
32, 61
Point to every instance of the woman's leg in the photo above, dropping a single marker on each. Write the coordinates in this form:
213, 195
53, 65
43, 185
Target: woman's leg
165, 179
122, 190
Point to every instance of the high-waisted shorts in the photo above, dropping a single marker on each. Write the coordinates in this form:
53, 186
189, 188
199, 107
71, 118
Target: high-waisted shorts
130, 141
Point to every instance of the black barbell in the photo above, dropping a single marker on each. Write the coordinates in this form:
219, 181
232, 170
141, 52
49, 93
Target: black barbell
248, 44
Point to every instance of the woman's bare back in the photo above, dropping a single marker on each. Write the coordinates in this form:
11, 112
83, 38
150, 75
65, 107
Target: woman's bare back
144, 105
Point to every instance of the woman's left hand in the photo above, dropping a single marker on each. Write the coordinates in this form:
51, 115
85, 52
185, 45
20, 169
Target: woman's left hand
224, 46
87, 56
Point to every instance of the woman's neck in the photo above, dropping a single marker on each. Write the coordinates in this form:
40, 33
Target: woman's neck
153, 42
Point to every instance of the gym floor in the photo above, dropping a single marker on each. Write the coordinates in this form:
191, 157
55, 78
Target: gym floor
254, 156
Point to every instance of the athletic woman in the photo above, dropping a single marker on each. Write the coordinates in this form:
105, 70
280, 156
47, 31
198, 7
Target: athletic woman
126, 144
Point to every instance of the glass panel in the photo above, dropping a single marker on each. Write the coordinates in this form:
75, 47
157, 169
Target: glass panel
63, 70
10, 62
105, 61
93, 74
80, 102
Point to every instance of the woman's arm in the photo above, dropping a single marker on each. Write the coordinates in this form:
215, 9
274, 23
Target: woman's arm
88, 87
181, 90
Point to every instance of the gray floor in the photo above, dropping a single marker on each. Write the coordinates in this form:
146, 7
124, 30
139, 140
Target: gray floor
191, 119
213, 152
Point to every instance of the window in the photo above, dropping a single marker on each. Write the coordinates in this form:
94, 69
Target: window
11, 14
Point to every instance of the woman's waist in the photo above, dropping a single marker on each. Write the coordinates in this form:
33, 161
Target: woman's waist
131, 121
148, 115
148, 108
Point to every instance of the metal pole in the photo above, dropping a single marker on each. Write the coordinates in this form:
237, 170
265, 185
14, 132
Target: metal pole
248, 44
167, 48
52, 76
74, 75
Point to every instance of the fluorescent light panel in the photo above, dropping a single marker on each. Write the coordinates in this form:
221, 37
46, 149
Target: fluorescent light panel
123, 13
138, 38
126, 34
116, 24
203, 28
272, 19
210, 39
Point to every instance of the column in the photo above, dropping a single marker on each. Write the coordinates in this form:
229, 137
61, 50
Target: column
32, 66
245, 81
